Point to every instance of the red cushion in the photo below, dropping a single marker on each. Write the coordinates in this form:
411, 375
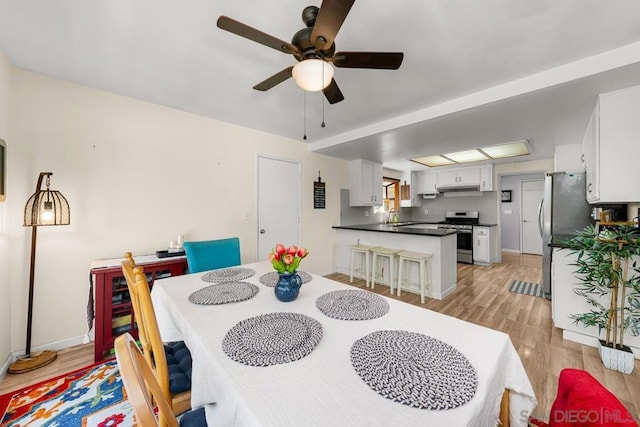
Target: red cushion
583, 401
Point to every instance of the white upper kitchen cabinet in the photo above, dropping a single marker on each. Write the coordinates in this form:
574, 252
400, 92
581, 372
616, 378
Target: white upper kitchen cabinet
566, 158
411, 198
427, 182
365, 183
611, 148
590, 145
486, 178
459, 177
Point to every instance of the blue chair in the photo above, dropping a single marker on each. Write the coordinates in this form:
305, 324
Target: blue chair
212, 254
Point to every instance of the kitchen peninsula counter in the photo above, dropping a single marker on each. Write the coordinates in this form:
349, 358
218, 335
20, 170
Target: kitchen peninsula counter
440, 243
400, 228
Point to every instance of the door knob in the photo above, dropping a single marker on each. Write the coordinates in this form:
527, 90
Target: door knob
262, 231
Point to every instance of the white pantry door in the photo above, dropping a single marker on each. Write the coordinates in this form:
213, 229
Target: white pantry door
531, 241
278, 204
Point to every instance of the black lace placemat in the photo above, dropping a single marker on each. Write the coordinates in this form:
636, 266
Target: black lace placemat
352, 304
232, 274
270, 279
272, 339
223, 293
414, 369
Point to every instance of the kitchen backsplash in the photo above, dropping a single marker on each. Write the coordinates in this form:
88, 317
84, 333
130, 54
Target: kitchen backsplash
365, 215
484, 203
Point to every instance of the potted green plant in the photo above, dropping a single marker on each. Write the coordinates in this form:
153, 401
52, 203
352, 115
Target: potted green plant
610, 283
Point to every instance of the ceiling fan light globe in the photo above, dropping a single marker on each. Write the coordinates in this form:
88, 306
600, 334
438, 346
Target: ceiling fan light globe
309, 75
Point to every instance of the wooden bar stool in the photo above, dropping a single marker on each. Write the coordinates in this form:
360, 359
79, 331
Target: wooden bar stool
423, 265
363, 251
379, 251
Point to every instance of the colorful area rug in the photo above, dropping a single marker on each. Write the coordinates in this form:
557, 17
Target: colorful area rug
91, 396
527, 288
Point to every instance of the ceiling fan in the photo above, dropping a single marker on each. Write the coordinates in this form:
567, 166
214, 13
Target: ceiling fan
314, 48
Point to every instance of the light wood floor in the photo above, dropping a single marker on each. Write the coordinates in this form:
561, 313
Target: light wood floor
68, 360
482, 297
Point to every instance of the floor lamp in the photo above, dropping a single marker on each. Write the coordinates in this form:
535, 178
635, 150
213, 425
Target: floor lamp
44, 207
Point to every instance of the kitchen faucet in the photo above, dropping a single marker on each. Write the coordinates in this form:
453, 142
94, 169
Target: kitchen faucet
391, 216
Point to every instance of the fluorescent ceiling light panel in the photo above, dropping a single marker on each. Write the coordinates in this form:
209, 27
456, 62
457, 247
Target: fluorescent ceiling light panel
466, 156
512, 149
433, 161
499, 151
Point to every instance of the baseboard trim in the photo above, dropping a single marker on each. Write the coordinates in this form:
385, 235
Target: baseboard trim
511, 251
446, 292
5, 367
590, 341
323, 273
343, 270
55, 346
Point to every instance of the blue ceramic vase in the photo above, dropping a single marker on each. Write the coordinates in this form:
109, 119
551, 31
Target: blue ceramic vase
288, 286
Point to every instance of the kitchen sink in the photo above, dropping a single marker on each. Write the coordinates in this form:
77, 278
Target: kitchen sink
421, 225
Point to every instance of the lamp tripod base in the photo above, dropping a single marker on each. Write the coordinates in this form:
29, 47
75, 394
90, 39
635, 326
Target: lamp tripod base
32, 361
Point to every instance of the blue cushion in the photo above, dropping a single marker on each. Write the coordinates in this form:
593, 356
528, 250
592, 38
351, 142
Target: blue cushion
179, 364
212, 254
195, 418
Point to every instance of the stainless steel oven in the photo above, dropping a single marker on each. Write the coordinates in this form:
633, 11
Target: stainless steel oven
465, 246
463, 222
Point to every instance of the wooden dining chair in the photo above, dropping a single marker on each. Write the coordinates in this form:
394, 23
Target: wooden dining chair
211, 254
170, 362
144, 393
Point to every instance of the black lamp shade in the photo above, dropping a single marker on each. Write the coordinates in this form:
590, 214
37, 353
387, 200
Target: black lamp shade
46, 207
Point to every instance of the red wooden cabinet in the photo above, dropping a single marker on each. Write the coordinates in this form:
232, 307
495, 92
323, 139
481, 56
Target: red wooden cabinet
113, 311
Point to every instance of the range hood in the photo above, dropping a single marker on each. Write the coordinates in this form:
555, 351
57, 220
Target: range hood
459, 188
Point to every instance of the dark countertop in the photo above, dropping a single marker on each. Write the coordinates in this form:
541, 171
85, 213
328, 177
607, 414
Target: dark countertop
440, 222
556, 240
386, 228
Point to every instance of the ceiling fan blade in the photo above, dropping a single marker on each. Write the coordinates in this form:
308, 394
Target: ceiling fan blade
274, 80
329, 20
243, 30
378, 60
332, 92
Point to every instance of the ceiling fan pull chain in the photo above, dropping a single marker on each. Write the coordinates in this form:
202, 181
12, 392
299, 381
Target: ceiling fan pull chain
322, 101
305, 115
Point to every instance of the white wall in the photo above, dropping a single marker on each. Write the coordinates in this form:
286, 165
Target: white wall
5, 324
136, 175
511, 221
516, 168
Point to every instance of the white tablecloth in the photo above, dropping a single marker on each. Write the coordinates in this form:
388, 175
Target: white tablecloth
322, 389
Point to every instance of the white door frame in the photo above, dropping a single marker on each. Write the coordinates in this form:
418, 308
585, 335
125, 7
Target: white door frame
522, 181
260, 257
497, 186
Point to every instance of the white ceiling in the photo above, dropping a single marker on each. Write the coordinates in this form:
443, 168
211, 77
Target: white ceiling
451, 92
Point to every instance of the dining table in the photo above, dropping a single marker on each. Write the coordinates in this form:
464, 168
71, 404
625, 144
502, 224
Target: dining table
343, 369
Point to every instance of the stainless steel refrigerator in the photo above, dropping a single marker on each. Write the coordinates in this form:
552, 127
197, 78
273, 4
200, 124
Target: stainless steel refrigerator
563, 210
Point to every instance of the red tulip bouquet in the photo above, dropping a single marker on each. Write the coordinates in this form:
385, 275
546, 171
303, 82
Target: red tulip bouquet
287, 260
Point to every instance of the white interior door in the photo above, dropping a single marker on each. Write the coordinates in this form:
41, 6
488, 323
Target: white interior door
278, 204
530, 239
